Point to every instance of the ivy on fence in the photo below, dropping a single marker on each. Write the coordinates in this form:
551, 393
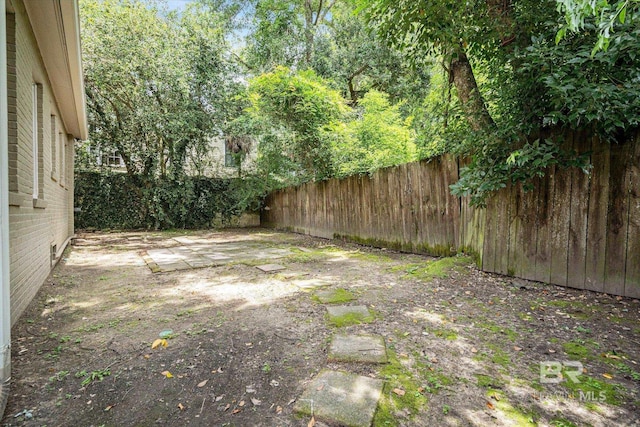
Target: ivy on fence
106, 200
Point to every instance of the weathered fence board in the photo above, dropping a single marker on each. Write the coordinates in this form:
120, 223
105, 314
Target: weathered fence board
573, 229
632, 279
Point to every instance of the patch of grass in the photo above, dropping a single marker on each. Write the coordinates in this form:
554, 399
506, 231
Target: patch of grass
499, 356
349, 319
488, 381
592, 388
59, 376
90, 328
447, 334
497, 329
519, 416
398, 377
580, 349
627, 370
335, 296
92, 376
437, 269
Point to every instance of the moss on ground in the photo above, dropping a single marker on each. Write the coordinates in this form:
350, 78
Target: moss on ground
497, 329
436, 269
334, 296
593, 390
401, 392
517, 415
349, 319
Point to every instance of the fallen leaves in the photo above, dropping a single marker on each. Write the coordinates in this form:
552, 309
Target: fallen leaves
202, 383
490, 406
256, 402
181, 406
312, 422
167, 374
608, 376
158, 343
516, 348
399, 391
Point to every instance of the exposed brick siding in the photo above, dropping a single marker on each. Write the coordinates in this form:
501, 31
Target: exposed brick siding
33, 230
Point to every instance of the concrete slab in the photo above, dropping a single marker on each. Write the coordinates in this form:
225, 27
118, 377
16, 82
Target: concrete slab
333, 296
341, 398
310, 284
270, 268
344, 315
358, 348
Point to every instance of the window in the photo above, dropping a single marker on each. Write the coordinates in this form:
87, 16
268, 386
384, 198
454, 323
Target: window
54, 146
63, 158
230, 161
36, 132
12, 103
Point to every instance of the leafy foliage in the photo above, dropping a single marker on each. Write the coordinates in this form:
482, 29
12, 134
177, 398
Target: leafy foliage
113, 201
302, 109
376, 137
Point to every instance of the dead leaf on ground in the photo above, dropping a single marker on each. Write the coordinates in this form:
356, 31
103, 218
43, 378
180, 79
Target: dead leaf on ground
256, 402
320, 387
159, 342
312, 422
241, 403
235, 411
474, 350
516, 348
399, 391
167, 374
608, 376
202, 383
490, 405
291, 401
181, 406
108, 408
279, 410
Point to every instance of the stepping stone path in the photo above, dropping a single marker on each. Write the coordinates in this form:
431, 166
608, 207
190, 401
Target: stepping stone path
343, 398
358, 348
271, 268
358, 313
197, 252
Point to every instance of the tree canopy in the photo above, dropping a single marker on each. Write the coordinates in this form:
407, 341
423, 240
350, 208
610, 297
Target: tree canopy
332, 88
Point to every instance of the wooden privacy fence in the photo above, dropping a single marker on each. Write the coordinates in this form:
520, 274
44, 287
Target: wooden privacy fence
573, 229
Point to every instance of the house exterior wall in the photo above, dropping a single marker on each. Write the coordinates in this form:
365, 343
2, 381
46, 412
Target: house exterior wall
35, 225
212, 162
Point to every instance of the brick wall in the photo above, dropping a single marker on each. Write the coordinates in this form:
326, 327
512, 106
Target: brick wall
35, 225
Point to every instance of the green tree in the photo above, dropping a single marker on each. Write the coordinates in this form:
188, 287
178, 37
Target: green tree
517, 89
157, 85
607, 16
293, 114
376, 137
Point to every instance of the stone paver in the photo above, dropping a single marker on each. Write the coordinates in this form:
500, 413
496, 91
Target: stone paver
197, 252
310, 284
271, 268
358, 348
348, 310
328, 296
341, 398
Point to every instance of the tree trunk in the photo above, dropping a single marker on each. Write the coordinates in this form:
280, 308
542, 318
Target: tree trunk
461, 74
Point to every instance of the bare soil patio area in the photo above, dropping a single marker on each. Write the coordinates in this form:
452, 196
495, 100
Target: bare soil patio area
182, 328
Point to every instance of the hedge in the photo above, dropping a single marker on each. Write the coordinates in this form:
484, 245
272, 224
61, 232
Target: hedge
119, 201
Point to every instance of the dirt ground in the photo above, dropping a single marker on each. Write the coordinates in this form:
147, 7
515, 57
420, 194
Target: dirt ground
465, 347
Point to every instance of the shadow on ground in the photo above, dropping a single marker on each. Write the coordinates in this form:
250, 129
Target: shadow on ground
463, 347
